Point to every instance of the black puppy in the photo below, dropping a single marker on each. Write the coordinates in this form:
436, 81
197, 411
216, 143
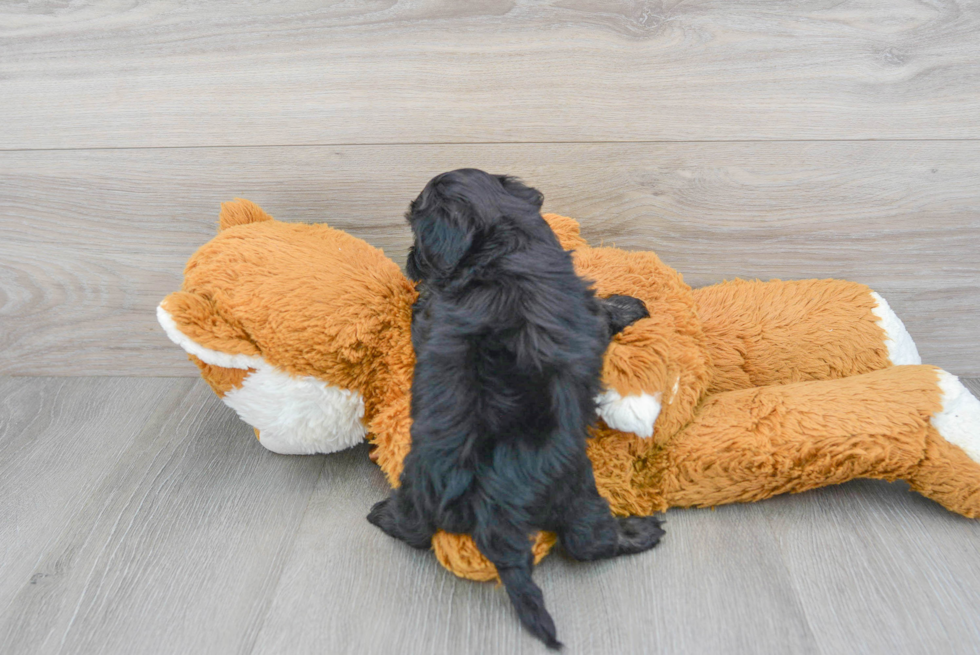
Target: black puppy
508, 344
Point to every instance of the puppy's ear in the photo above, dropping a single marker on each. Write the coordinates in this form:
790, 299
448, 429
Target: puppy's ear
518, 189
443, 235
413, 266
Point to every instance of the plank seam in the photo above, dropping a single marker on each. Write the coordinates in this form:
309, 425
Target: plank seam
487, 143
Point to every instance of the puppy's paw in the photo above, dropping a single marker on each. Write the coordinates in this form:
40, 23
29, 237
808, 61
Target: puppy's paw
411, 530
623, 311
380, 516
638, 533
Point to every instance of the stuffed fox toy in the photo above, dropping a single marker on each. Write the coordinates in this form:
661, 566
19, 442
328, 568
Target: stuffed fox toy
729, 393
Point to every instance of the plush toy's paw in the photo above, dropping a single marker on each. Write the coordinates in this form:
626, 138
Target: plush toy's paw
632, 413
636, 414
638, 533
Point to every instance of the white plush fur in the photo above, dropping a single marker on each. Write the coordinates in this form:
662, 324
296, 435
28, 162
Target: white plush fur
901, 348
635, 414
959, 420
298, 415
295, 415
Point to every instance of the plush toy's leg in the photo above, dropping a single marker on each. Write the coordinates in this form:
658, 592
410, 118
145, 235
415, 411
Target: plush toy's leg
915, 423
762, 333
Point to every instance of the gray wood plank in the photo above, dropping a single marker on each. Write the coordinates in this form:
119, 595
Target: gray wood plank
194, 539
180, 73
973, 384
716, 584
59, 440
879, 569
179, 548
91, 241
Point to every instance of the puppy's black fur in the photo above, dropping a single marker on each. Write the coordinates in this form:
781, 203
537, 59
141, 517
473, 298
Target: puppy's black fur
508, 343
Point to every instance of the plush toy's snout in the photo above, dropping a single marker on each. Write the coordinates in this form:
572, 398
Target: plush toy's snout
288, 323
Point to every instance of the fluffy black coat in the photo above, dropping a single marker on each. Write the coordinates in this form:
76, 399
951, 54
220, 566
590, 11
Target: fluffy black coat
509, 344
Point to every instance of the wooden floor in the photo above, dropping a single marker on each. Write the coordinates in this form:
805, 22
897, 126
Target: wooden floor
142, 516
818, 138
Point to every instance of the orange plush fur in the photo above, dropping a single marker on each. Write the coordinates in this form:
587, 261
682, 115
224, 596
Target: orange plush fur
763, 388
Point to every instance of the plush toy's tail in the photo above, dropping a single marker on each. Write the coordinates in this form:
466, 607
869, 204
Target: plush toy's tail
240, 212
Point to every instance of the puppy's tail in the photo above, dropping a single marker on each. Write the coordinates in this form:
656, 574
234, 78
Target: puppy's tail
528, 600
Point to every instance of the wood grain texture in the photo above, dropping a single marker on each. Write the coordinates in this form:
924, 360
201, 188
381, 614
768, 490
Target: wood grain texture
168, 529
181, 73
91, 241
177, 551
973, 385
60, 438
879, 569
348, 588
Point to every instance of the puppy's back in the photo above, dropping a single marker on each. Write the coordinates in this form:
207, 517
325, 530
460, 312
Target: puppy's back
511, 356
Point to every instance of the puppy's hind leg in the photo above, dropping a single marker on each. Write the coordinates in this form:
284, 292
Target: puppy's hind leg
590, 532
637, 533
399, 518
509, 549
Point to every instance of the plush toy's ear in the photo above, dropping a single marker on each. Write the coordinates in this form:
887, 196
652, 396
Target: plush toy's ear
240, 212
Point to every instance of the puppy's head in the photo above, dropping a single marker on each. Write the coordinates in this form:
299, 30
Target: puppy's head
457, 210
